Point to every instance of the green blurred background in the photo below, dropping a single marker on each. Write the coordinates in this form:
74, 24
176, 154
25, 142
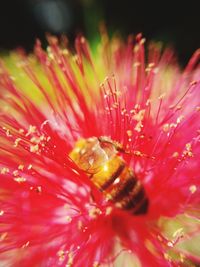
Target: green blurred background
175, 23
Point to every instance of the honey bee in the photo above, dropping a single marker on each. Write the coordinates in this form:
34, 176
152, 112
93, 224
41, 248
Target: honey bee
100, 159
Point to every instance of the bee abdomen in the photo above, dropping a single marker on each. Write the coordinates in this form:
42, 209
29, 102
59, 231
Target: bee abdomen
126, 182
143, 207
106, 177
113, 177
129, 193
136, 201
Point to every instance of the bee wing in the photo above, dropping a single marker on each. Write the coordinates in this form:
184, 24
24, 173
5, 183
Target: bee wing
92, 160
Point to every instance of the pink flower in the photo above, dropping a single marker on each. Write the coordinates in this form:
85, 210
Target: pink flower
52, 213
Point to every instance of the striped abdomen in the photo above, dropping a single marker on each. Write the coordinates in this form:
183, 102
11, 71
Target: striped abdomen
120, 186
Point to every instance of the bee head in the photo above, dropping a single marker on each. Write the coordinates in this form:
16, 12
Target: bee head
92, 153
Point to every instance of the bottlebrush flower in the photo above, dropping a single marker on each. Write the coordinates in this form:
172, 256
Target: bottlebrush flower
52, 213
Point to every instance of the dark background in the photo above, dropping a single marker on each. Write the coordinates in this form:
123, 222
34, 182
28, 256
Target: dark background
22, 21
